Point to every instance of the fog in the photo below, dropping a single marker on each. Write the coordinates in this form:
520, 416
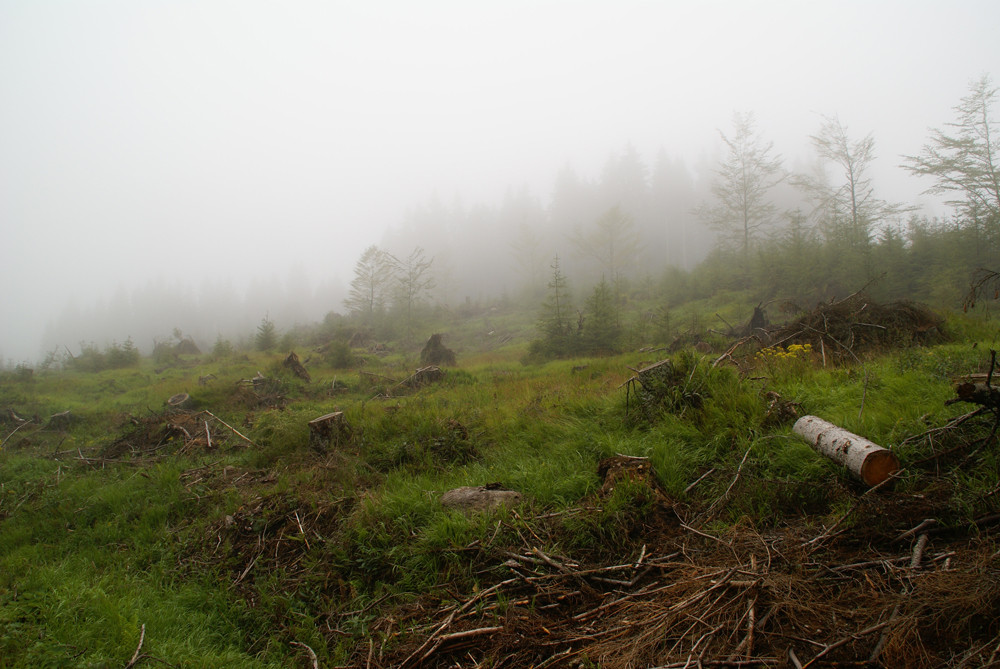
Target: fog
239, 156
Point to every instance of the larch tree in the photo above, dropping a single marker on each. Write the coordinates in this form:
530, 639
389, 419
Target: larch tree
613, 243
413, 280
964, 161
374, 274
742, 210
964, 158
848, 203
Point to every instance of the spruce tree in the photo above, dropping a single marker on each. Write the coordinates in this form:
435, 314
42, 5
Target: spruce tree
601, 332
266, 338
556, 324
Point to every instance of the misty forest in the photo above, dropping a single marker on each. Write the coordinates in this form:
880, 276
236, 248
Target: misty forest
651, 234
563, 429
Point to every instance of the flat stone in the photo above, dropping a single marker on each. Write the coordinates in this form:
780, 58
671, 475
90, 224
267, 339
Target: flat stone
478, 498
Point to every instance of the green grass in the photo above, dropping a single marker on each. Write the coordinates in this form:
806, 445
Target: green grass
91, 550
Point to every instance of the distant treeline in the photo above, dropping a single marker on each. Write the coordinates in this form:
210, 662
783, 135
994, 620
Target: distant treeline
636, 232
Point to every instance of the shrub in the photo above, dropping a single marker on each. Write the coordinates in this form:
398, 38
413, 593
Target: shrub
338, 355
118, 355
222, 349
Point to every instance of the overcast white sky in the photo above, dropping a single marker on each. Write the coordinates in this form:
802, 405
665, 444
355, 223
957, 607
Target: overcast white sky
144, 139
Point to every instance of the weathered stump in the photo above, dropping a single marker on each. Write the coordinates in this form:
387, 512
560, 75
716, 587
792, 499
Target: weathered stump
436, 353
424, 376
868, 461
179, 402
293, 363
328, 431
61, 421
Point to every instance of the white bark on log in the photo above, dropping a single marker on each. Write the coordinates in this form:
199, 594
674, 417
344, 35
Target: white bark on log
865, 459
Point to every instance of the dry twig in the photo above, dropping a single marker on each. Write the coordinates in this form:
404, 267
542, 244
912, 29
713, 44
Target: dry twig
137, 655
312, 653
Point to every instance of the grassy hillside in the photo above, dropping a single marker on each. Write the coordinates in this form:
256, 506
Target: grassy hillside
650, 531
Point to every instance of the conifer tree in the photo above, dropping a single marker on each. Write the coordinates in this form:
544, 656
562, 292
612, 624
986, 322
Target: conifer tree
601, 331
964, 161
742, 210
555, 323
266, 338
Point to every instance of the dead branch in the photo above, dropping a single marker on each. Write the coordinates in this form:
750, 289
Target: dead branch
725, 496
699, 480
882, 637
814, 543
845, 640
231, 428
427, 642
729, 351
138, 650
312, 653
918, 551
468, 633
924, 524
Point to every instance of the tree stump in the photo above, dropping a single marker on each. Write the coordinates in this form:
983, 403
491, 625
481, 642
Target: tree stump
865, 459
61, 421
436, 353
328, 431
179, 402
293, 363
424, 376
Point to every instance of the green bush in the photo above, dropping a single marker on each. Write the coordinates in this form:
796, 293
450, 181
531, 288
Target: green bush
115, 356
338, 355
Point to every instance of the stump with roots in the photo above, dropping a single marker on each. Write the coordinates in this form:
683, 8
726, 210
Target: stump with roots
293, 363
436, 353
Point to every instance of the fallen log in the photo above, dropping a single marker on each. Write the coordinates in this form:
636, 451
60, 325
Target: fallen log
982, 394
868, 461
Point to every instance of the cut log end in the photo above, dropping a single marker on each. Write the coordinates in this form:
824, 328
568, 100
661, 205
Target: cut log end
879, 466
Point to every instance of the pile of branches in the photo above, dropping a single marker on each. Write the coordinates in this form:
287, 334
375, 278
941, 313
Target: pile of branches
270, 536
896, 592
168, 433
262, 392
841, 331
736, 600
